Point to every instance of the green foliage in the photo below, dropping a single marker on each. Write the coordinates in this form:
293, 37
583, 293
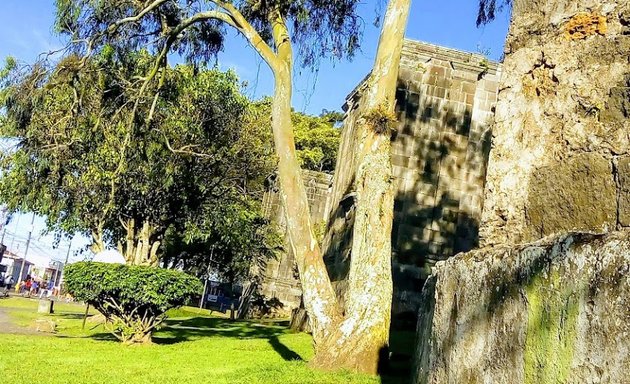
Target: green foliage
133, 299
316, 141
316, 137
89, 159
228, 242
320, 28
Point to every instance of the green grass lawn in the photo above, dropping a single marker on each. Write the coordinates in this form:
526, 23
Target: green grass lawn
193, 347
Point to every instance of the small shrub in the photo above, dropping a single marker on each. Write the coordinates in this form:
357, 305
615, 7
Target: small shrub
381, 119
133, 299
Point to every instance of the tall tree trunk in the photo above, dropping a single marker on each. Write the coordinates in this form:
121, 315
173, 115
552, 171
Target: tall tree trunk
361, 340
319, 296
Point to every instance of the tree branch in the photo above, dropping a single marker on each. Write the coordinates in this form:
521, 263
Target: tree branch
132, 19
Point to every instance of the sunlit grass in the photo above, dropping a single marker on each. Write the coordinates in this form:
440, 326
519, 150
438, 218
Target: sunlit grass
194, 347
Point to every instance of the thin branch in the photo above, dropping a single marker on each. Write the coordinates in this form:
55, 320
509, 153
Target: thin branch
184, 150
132, 19
250, 33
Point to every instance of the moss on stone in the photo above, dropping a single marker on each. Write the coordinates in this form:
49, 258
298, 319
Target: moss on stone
551, 329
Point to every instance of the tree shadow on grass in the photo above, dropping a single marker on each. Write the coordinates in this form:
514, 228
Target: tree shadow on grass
181, 330
68, 316
284, 351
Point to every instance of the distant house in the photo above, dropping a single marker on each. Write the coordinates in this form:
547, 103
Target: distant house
13, 264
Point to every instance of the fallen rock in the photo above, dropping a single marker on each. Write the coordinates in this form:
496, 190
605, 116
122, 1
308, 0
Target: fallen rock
45, 325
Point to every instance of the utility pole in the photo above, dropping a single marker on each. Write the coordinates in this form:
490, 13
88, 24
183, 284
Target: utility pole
17, 222
63, 269
28, 241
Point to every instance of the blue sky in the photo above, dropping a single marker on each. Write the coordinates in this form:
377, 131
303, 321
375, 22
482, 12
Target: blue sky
26, 32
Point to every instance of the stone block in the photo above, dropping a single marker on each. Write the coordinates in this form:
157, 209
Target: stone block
623, 172
554, 311
469, 87
45, 325
401, 161
577, 194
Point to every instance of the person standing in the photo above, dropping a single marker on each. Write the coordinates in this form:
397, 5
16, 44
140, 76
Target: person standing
8, 282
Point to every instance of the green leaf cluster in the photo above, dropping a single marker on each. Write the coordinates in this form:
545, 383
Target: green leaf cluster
133, 299
316, 137
87, 156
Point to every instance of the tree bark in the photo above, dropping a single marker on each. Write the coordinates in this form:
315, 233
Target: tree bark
98, 244
319, 296
361, 340
140, 247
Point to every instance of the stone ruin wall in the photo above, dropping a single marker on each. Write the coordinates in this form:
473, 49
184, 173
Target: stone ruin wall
561, 147
445, 100
549, 312
556, 310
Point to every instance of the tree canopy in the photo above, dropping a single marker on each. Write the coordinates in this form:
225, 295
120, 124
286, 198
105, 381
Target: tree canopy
195, 28
93, 156
316, 137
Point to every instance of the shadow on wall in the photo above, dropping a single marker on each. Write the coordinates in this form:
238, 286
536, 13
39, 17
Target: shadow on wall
439, 158
440, 169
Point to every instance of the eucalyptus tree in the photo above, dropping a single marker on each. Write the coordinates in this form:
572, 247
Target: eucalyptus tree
275, 29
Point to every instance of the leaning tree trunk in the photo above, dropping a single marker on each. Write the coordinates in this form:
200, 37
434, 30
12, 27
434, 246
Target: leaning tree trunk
360, 341
319, 297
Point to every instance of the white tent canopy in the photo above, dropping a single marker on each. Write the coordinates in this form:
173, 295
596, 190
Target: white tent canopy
109, 256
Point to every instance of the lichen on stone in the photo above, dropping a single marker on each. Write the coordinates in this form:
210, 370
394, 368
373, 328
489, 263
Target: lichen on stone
584, 25
551, 329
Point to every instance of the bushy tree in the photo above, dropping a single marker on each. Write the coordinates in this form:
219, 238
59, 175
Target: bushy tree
95, 157
231, 241
133, 299
316, 137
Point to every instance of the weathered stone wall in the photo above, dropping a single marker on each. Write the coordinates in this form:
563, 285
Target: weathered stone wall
561, 140
445, 102
280, 279
555, 311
